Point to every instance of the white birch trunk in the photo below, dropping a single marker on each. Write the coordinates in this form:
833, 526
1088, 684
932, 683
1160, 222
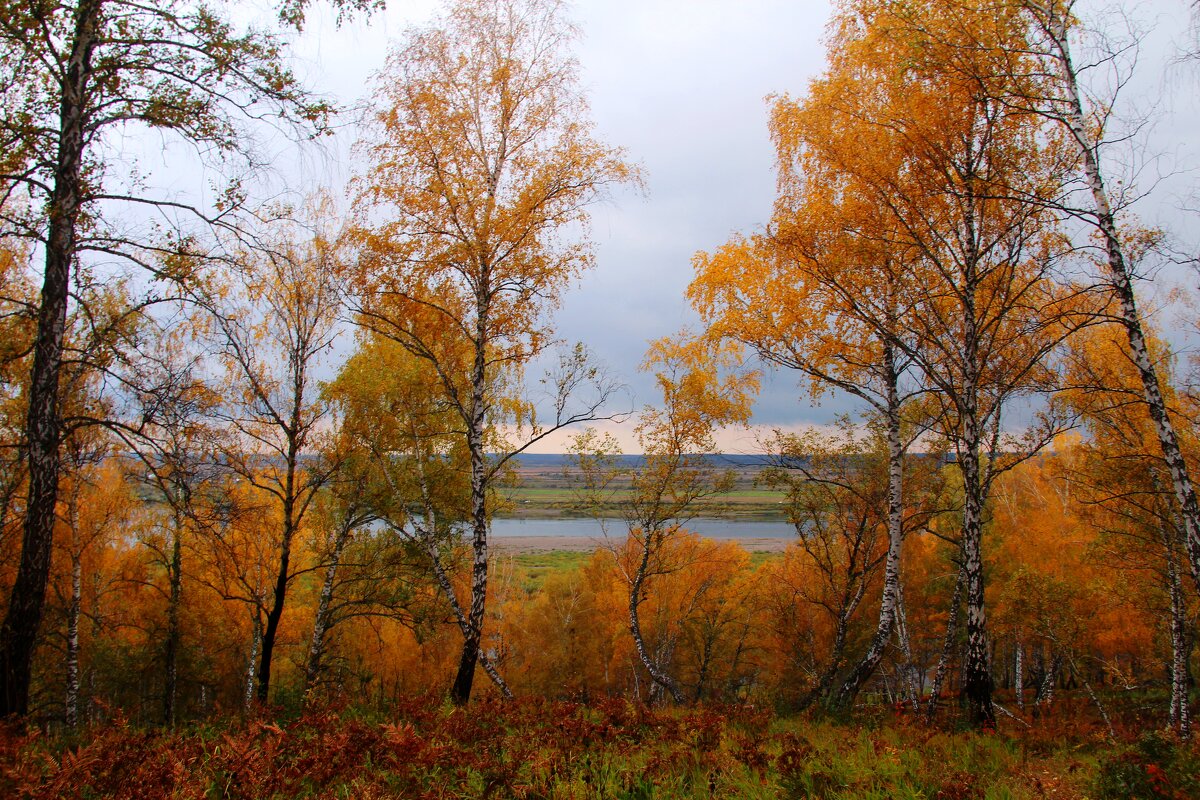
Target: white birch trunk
252, 661
1019, 673
316, 646
1180, 714
943, 665
1045, 693
463, 623
1054, 25
895, 529
460, 692
74, 608
73, 614
657, 674
977, 675
911, 678
1087, 685
174, 603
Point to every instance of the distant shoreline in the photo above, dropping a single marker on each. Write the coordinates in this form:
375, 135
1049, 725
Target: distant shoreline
520, 545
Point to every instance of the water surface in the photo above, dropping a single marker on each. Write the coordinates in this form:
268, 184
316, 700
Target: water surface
588, 527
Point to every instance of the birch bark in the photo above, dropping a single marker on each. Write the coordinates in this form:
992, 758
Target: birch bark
1180, 712
252, 658
316, 647
653, 666
895, 528
948, 641
447, 588
174, 602
911, 675
460, 692
1019, 672
43, 427
73, 614
484, 155
1052, 17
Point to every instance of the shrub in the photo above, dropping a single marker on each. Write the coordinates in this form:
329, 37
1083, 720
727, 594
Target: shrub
1156, 767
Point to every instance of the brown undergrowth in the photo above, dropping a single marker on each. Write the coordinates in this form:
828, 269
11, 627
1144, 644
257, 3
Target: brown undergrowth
605, 749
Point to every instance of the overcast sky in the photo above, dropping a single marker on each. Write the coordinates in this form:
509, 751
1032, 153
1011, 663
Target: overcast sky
682, 86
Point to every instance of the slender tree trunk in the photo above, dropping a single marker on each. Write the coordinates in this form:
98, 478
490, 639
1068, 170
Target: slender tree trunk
1045, 693
1055, 25
252, 660
316, 647
447, 588
846, 610
734, 684
660, 677
943, 665
1019, 672
706, 655
74, 608
275, 614
92, 716
1087, 686
821, 688
174, 600
977, 674
895, 526
43, 427
663, 657
460, 692
73, 614
912, 685
1180, 715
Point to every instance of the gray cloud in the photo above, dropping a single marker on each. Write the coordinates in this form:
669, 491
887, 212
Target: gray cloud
682, 87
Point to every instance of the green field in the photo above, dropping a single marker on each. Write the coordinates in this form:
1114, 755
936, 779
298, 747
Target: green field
741, 503
535, 568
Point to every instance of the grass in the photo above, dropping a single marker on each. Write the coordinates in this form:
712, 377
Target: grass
759, 557
609, 749
764, 503
536, 567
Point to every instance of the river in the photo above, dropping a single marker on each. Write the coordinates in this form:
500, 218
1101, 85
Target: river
587, 527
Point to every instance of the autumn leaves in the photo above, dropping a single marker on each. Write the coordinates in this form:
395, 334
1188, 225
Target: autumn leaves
919, 256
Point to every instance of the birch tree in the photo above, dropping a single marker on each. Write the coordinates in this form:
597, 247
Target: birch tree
342, 511
387, 509
481, 160
76, 75
274, 326
912, 236
394, 411
973, 204
674, 480
826, 292
97, 506
838, 489
177, 453
1085, 118
1125, 487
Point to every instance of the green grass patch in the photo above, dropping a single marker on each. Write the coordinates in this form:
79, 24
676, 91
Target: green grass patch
760, 557
537, 567
741, 499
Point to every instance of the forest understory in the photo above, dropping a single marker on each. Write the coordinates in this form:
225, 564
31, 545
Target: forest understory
608, 748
